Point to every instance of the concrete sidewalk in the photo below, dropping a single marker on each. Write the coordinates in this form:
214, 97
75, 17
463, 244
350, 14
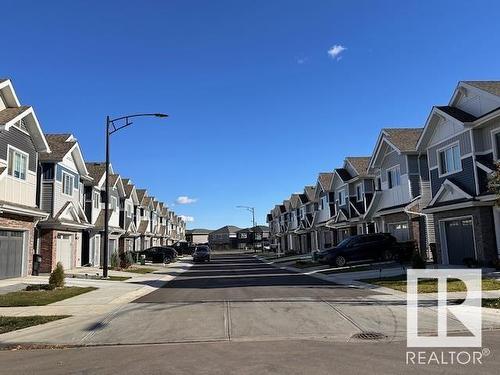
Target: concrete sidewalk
88, 309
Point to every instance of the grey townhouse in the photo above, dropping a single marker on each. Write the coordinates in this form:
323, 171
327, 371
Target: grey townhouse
425, 184
462, 143
52, 201
21, 141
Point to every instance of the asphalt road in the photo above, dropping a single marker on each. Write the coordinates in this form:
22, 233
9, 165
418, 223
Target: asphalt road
237, 315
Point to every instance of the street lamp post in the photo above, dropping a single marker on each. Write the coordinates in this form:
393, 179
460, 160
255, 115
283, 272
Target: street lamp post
110, 129
252, 210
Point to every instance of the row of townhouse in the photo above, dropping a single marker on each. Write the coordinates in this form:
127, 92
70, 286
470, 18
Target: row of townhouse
52, 201
428, 185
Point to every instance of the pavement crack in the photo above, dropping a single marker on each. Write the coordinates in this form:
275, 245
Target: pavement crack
227, 319
343, 315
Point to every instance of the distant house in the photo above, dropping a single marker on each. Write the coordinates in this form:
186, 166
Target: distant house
198, 235
224, 238
254, 237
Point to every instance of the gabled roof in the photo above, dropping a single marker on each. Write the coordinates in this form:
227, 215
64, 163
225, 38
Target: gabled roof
325, 179
310, 192
96, 170
402, 140
9, 114
27, 114
343, 174
457, 113
294, 201
493, 87
140, 194
227, 229
60, 145
359, 163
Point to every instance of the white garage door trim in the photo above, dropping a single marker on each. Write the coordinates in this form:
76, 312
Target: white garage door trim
392, 225
442, 235
63, 240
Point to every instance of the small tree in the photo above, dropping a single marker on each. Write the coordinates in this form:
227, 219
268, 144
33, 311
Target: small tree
56, 279
494, 182
115, 259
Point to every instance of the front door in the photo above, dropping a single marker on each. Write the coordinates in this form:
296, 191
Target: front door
64, 251
459, 240
11, 253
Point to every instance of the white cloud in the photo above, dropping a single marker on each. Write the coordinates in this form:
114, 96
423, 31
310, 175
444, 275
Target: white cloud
302, 60
184, 199
335, 51
187, 219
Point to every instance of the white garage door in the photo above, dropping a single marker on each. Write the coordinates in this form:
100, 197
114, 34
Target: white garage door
64, 246
400, 231
11, 253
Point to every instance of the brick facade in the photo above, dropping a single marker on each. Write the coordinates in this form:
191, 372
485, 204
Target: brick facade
48, 250
484, 231
25, 223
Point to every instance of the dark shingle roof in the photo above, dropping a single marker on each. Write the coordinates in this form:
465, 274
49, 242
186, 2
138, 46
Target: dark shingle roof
128, 190
227, 228
344, 175
325, 179
493, 87
58, 145
457, 113
96, 170
8, 114
405, 139
140, 194
359, 163
310, 192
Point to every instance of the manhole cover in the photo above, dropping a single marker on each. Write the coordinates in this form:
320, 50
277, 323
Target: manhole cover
369, 336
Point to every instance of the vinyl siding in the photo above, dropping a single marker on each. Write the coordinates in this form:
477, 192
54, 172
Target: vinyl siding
464, 179
21, 141
47, 195
465, 147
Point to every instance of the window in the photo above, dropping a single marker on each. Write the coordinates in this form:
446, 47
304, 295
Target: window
378, 184
17, 164
129, 210
97, 199
359, 192
394, 177
67, 183
114, 203
341, 195
243, 235
496, 144
449, 159
323, 202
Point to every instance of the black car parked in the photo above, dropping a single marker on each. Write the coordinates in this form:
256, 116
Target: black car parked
201, 254
380, 246
159, 254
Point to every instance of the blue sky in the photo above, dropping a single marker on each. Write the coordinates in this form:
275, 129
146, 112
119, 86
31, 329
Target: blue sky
258, 106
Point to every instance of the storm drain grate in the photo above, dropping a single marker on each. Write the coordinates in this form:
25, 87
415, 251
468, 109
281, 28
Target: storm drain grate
369, 336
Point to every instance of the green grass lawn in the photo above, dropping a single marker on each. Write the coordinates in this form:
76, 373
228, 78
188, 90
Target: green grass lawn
41, 297
430, 285
12, 323
141, 270
493, 303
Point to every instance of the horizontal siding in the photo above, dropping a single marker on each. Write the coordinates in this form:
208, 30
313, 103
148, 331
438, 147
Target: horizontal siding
392, 160
21, 141
47, 194
464, 179
465, 147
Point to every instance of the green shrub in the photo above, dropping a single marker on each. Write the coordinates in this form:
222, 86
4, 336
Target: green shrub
56, 279
126, 259
36, 287
115, 260
417, 261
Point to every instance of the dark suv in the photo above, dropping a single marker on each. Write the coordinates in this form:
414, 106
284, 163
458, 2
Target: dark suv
159, 254
201, 254
380, 246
